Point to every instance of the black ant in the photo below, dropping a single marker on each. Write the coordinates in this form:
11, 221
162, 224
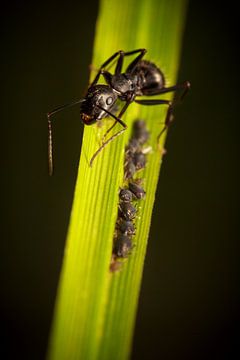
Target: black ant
141, 78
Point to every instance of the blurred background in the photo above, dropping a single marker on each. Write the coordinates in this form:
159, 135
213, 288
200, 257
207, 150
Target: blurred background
189, 303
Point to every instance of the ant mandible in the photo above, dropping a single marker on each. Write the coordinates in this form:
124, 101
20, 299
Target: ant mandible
142, 78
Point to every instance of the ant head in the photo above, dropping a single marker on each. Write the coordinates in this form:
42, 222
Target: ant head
98, 98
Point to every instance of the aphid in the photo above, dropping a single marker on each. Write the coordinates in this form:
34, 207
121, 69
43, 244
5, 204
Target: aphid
140, 133
125, 195
141, 78
135, 158
122, 246
137, 190
139, 160
129, 169
133, 146
127, 211
126, 227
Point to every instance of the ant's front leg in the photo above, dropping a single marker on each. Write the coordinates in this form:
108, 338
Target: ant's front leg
104, 144
119, 117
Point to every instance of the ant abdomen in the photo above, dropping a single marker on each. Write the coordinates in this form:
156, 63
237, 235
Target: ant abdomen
150, 78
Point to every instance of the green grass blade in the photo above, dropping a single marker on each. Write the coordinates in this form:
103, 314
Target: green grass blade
95, 309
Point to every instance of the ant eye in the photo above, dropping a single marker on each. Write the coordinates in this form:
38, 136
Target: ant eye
109, 100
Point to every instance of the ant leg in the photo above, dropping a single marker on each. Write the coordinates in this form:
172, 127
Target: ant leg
153, 102
50, 143
107, 76
133, 64
117, 120
119, 65
168, 121
105, 144
185, 86
112, 115
119, 117
127, 53
169, 116
108, 130
118, 69
106, 63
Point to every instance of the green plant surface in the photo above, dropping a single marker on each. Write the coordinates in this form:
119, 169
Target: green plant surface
95, 309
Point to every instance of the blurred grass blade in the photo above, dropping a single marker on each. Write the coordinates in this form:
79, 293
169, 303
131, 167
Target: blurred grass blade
95, 309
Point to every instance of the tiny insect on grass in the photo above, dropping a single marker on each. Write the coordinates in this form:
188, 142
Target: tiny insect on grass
141, 78
122, 245
127, 211
125, 195
126, 227
137, 190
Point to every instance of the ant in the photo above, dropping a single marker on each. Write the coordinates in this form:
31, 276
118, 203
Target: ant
141, 78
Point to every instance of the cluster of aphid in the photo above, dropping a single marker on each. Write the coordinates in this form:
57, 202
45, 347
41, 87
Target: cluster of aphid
135, 160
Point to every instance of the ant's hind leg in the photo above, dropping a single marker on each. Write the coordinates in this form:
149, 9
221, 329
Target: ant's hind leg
169, 116
169, 119
184, 87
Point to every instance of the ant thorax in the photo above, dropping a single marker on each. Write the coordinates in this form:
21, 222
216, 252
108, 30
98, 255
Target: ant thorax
124, 84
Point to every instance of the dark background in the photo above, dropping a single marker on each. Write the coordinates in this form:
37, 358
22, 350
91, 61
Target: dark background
190, 294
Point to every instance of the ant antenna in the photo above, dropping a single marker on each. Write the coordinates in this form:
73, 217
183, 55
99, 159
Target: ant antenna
50, 143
